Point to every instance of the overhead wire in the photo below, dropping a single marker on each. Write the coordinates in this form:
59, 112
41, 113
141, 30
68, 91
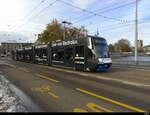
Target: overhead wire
91, 12
140, 11
146, 9
129, 21
100, 9
111, 26
27, 15
105, 11
42, 10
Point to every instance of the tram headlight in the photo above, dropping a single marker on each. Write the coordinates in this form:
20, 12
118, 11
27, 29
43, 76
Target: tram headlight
107, 60
100, 60
104, 60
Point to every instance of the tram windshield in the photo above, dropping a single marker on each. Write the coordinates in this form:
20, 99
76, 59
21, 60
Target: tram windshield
101, 48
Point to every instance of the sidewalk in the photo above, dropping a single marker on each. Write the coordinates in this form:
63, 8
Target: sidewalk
9, 101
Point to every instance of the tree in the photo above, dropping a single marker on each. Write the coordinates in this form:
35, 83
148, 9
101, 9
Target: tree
111, 48
123, 45
73, 32
55, 30
141, 50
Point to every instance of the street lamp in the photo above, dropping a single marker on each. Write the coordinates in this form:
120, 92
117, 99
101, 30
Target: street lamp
65, 22
35, 36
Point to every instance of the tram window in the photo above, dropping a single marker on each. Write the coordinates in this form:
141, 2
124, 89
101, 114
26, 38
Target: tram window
88, 42
90, 54
69, 54
79, 51
54, 56
38, 53
43, 52
58, 55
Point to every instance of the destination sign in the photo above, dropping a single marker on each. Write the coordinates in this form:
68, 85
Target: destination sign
20, 49
29, 48
65, 43
100, 41
41, 46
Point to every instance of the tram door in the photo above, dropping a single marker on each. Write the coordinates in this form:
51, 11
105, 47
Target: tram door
79, 58
69, 57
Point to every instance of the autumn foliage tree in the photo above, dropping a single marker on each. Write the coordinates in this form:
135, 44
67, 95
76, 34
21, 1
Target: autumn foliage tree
111, 48
123, 45
55, 30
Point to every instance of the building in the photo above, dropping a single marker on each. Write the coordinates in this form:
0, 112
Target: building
140, 44
0, 49
7, 48
146, 48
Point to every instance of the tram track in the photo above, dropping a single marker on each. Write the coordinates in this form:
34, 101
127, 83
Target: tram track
78, 91
131, 66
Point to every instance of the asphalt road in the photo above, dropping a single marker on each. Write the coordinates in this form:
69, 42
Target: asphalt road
60, 90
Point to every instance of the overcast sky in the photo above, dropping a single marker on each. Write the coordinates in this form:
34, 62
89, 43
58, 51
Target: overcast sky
20, 20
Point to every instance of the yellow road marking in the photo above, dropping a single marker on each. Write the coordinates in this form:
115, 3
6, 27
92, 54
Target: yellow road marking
24, 70
110, 100
42, 89
97, 108
79, 110
45, 89
47, 78
53, 95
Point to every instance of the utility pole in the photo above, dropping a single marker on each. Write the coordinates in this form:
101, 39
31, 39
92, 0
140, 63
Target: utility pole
136, 32
97, 33
64, 34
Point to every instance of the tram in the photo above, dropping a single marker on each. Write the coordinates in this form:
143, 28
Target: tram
28, 54
20, 54
87, 54
41, 53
